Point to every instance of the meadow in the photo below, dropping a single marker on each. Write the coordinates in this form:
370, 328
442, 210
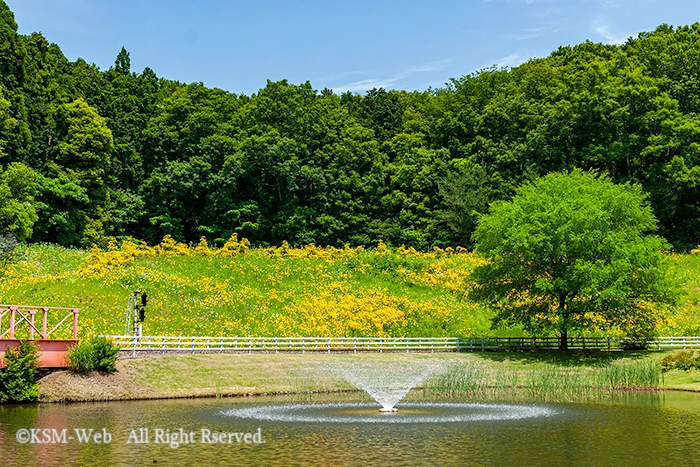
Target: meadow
236, 290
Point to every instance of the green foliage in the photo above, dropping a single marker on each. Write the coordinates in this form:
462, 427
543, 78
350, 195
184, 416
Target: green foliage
18, 378
635, 374
122, 64
466, 194
574, 252
17, 206
120, 153
75, 193
95, 354
549, 382
685, 360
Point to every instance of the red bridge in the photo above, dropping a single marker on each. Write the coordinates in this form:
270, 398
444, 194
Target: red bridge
18, 323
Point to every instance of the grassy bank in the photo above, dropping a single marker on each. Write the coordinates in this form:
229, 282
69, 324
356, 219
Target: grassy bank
278, 291
542, 375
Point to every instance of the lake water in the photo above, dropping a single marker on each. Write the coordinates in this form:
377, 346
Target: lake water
638, 429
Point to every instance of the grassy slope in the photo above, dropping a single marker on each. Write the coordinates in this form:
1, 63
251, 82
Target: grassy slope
342, 292
280, 292
243, 374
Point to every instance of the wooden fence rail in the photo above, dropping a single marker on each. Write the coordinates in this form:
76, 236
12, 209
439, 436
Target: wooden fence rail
175, 344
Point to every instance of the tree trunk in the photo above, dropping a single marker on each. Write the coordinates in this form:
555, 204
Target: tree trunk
564, 340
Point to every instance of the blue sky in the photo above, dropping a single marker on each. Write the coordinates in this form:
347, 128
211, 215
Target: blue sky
343, 45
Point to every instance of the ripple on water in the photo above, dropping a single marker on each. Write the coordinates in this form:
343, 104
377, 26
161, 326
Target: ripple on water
446, 412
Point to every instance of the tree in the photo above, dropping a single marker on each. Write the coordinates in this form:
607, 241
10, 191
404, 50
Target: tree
17, 210
466, 195
573, 251
18, 378
73, 198
122, 64
11, 49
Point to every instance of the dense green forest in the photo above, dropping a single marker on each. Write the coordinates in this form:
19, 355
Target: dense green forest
87, 155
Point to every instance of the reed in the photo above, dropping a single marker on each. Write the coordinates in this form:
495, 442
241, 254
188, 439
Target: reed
458, 380
643, 374
547, 382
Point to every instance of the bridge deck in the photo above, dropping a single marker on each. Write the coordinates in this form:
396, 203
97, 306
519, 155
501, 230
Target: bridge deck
53, 352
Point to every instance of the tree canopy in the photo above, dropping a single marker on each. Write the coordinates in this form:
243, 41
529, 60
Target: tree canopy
573, 251
123, 152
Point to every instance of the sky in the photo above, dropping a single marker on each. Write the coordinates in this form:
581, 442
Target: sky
342, 45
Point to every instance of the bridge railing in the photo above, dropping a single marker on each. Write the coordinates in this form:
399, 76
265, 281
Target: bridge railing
38, 322
194, 344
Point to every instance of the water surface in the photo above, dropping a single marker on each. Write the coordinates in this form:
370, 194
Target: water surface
637, 429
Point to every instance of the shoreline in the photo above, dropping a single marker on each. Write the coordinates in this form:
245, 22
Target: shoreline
251, 375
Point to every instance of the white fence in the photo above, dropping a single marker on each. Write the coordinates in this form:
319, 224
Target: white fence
174, 344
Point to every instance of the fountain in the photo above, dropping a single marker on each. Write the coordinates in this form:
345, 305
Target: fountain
387, 384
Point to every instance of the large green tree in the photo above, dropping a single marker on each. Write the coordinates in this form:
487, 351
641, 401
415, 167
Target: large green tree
74, 195
17, 210
573, 252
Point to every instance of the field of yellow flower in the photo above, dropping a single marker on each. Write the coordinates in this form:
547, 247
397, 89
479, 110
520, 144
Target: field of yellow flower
279, 291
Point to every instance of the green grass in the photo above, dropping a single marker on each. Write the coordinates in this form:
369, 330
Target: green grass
570, 378
478, 376
254, 294
298, 293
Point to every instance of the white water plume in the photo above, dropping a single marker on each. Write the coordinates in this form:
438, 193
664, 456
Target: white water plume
387, 383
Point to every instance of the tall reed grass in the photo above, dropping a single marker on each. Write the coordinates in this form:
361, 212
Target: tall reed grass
547, 382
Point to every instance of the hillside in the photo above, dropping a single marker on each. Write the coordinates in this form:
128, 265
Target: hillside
283, 291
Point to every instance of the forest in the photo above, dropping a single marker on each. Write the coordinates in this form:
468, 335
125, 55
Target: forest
90, 156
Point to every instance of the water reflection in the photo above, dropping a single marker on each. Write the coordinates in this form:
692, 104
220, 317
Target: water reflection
632, 429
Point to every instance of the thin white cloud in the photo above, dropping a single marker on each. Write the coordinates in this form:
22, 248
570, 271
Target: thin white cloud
509, 61
365, 84
607, 34
391, 81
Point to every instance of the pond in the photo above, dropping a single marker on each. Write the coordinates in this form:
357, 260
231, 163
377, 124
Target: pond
633, 429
